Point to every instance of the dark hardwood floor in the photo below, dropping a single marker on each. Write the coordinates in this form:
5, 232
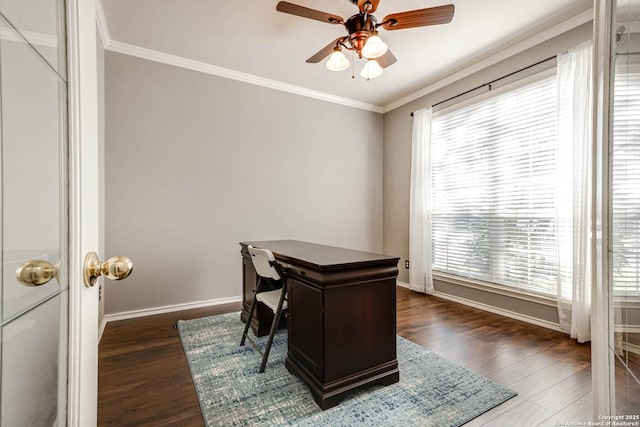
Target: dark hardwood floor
144, 378
550, 372
143, 375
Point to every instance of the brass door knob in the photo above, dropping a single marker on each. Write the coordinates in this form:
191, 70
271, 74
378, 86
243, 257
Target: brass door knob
116, 268
36, 272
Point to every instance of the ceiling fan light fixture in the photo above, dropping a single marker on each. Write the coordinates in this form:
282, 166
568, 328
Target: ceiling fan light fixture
374, 47
337, 61
362, 32
371, 70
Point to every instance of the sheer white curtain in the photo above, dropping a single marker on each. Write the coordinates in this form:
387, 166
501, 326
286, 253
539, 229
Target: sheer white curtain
573, 197
420, 277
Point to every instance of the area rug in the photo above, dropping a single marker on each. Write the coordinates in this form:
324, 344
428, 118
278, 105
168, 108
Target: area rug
431, 390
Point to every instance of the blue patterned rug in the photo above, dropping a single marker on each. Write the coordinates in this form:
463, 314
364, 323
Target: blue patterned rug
431, 391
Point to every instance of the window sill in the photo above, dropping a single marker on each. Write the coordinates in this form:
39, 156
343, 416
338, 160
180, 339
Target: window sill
626, 302
496, 289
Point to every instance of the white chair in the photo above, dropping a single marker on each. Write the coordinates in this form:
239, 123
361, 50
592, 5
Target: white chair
267, 268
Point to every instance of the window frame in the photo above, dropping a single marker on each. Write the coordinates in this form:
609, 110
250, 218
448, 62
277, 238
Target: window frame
483, 285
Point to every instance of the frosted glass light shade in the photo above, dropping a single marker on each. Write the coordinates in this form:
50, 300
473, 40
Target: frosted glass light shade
371, 69
337, 61
374, 47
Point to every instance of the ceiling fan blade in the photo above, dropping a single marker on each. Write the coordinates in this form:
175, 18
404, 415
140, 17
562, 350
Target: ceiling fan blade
419, 18
305, 12
387, 59
374, 5
325, 51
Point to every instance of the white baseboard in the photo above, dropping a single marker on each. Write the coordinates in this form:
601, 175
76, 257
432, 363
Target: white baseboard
493, 309
112, 317
403, 284
103, 324
501, 311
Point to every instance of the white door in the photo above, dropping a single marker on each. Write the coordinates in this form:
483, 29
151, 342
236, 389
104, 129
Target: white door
33, 143
48, 212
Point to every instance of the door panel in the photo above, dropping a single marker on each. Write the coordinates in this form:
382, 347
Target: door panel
32, 161
32, 367
33, 214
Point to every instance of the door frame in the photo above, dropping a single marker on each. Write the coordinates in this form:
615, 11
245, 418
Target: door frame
602, 359
83, 210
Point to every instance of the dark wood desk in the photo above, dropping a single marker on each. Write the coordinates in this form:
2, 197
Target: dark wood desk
342, 316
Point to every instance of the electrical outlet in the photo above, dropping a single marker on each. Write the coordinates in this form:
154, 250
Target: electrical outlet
406, 263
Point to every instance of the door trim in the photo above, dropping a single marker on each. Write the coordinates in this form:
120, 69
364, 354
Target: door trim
602, 363
83, 210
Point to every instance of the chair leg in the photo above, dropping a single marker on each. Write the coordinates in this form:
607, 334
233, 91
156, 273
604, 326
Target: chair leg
274, 326
251, 311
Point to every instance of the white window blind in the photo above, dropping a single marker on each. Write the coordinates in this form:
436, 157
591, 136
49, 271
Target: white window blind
625, 184
493, 179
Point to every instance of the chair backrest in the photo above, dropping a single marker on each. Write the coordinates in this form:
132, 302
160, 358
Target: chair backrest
263, 261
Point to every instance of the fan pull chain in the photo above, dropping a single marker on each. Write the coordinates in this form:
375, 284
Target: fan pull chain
353, 66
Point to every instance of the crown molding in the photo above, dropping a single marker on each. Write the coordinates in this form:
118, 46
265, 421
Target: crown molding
101, 22
510, 51
203, 67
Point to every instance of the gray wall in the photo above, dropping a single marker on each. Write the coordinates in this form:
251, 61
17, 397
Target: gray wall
397, 158
196, 163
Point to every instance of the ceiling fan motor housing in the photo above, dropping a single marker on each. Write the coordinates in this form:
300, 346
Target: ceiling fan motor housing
360, 27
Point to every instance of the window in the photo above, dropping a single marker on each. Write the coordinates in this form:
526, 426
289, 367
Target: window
493, 189
625, 183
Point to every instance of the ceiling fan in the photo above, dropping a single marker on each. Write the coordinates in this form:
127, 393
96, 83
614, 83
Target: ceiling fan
362, 29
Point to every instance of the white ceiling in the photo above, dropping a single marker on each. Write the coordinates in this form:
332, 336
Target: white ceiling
251, 37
